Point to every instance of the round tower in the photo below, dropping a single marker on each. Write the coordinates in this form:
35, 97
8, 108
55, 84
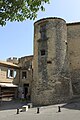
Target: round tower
51, 82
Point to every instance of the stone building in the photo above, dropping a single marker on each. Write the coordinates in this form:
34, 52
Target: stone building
52, 74
16, 78
25, 77
8, 74
56, 71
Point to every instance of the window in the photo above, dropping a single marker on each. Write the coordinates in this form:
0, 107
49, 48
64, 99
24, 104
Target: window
49, 62
24, 75
42, 52
11, 73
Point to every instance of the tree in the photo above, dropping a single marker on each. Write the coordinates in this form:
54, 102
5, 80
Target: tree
19, 10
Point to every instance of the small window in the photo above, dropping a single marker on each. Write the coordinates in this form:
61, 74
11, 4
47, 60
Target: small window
49, 62
11, 73
42, 52
24, 75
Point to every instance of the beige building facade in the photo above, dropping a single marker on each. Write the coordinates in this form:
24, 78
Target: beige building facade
8, 74
16, 78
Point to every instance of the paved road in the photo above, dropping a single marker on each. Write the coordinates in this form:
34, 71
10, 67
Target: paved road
68, 112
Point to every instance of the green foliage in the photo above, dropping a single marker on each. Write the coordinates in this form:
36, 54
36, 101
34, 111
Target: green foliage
19, 10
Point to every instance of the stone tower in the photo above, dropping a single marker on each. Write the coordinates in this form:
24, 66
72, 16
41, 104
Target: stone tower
51, 79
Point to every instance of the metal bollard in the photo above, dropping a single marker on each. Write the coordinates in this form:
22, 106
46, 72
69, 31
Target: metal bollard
38, 110
59, 109
17, 110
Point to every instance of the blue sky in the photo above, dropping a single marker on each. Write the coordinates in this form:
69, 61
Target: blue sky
16, 38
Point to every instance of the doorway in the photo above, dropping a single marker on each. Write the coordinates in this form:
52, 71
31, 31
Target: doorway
26, 91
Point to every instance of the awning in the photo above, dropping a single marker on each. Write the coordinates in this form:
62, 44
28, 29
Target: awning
7, 85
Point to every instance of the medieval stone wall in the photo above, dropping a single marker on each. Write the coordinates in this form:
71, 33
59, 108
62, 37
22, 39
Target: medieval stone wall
25, 65
73, 37
51, 68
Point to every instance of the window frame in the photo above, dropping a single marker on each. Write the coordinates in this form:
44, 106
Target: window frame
25, 75
14, 73
43, 52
